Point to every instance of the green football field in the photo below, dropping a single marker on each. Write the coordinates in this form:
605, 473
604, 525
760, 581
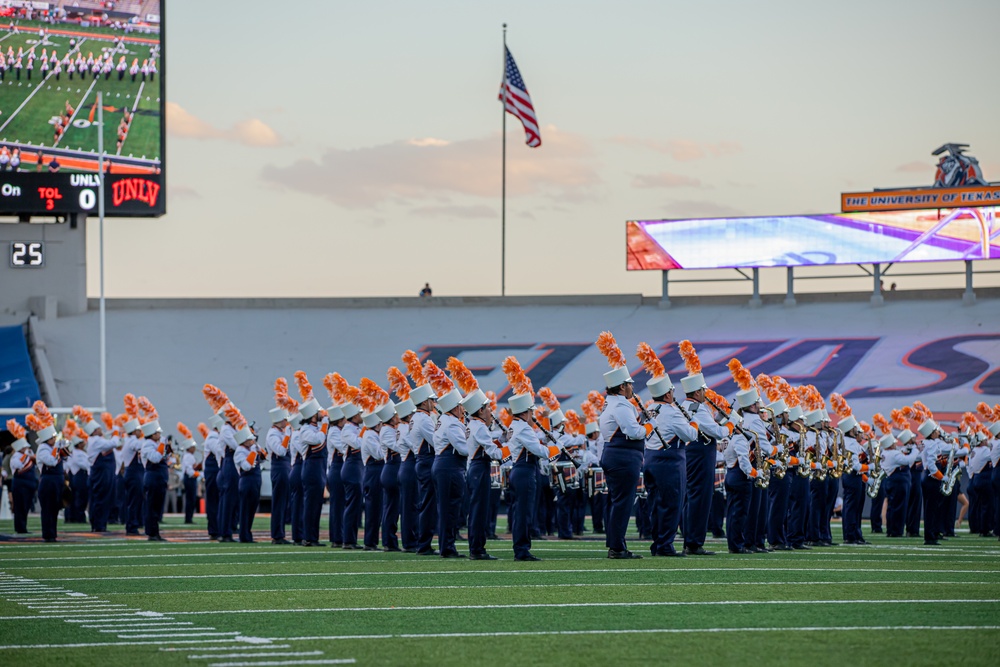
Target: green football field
28, 107
110, 601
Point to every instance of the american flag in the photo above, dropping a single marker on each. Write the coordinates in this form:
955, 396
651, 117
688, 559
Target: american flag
518, 101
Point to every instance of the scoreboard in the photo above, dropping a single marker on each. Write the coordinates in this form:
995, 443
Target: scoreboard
125, 195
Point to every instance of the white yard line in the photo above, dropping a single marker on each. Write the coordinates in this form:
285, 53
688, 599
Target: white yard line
281, 663
285, 654
245, 647
152, 642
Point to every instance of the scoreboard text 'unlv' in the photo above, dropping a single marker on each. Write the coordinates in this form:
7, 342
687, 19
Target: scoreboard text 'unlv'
140, 189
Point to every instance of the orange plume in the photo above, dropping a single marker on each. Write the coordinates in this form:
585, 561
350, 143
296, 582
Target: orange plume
927, 414
770, 386
363, 401
519, 381
866, 428
910, 414
742, 376
16, 429
286, 402
108, 420
398, 383
340, 386
691, 361
900, 419
651, 362
34, 423
414, 368
331, 387
69, 429
281, 386
203, 430
84, 415
597, 398
438, 380
185, 431
235, 417
147, 408
541, 418
550, 400
882, 423
787, 392
121, 419
814, 400
463, 377
590, 412
721, 402
305, 387
969, 422
986, 412
216, 398
506, 418
492, 395
371, 389
609, 348
573, 423
840, 406
43, 414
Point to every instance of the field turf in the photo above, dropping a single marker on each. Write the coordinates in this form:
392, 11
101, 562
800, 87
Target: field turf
113, 601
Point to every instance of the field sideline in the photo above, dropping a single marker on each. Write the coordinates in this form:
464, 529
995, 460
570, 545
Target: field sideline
111, 601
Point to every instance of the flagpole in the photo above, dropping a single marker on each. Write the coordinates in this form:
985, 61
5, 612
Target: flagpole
503, 178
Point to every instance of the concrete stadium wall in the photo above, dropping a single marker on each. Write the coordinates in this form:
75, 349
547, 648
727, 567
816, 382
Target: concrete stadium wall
58, 288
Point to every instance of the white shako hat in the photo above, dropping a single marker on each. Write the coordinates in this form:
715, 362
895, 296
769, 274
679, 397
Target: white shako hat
520, 403
814, 417
448, 402
994, 429
309, 408
556, 417
928, 427
335, 413
295, 420
370, 419
149, 428
278, 414
386, 412
188, 443
243, 435
846, 424
616, 377
592, 427
420, 394
826, 415
475, 401
20, 444
76, 439
215, 421
660, 386
132, 425
349, 410
405, 408
886, 441
905, 436
778, 407
747, 397
45, 434
795, 412
90, 427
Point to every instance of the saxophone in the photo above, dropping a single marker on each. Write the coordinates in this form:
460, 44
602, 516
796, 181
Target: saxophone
952, 473
803, 469
837, 451
820, 473
763, 478
780, 466
878, 474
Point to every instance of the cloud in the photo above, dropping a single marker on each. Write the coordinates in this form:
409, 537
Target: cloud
468, 212
699, 209
433, 169
916, 168
250, 132
682, 150
665, 180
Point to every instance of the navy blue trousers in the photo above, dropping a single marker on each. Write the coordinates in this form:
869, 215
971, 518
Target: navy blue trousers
409, 498
621, 469
295, 491
449, 489
212, 494
817, 506
523, 482
154, 487
478, 484
248, 488
427, 506
832, 487
390, 502
933, 507
102, 490
117, 513
980, 510
280, 470
229, 496
190, 498
352, 474
854, 504
50, 488
916, 501
372, 489
80, 485
777, 508
666, 482
897, 491
739, 492
335, 488
134, 474
23, 487
875, 516
698, 499
313, 487
798, 508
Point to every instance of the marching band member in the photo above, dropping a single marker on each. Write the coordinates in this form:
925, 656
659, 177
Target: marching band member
699, 456
525, 450
213, 455
24, 482
592, 459
393, 448
798, 470
665, 464
277, 441
896, 463
154, 483
191, 471
934, 452
748, 404
915, 504
229, 492
484, 449
100, 454
372, 458
313, 439
134, 471
78, 467
422, 442
407, 476
625, 441
981, 470
740, 476
818, 489
451, 452
994, 430
832, 481
298, 453
50, 460
854, 477
245, 459
563, 501
352, 472
334, 463
779, 484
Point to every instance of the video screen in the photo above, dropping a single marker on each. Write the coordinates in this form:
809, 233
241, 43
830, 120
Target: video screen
55, 57
806, 240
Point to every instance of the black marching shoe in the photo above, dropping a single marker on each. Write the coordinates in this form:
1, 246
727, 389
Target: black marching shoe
226, 539
801, 547
622, 555
391, 549
698, 551
313, 544
428, 552
529, 557
452, 554
280, 541
368, 548
483, 556
740, 551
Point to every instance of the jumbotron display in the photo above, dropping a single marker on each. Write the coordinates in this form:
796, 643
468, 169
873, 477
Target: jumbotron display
55, 57
805, 240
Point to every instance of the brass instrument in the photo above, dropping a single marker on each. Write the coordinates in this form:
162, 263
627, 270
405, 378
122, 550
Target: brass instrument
763, 478
820, 473
952, 472
837, 452
780, 466
803, 468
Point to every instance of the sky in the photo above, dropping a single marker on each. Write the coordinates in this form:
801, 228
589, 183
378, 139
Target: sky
319, 148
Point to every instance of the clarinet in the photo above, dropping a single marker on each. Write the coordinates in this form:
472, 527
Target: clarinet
649, 418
